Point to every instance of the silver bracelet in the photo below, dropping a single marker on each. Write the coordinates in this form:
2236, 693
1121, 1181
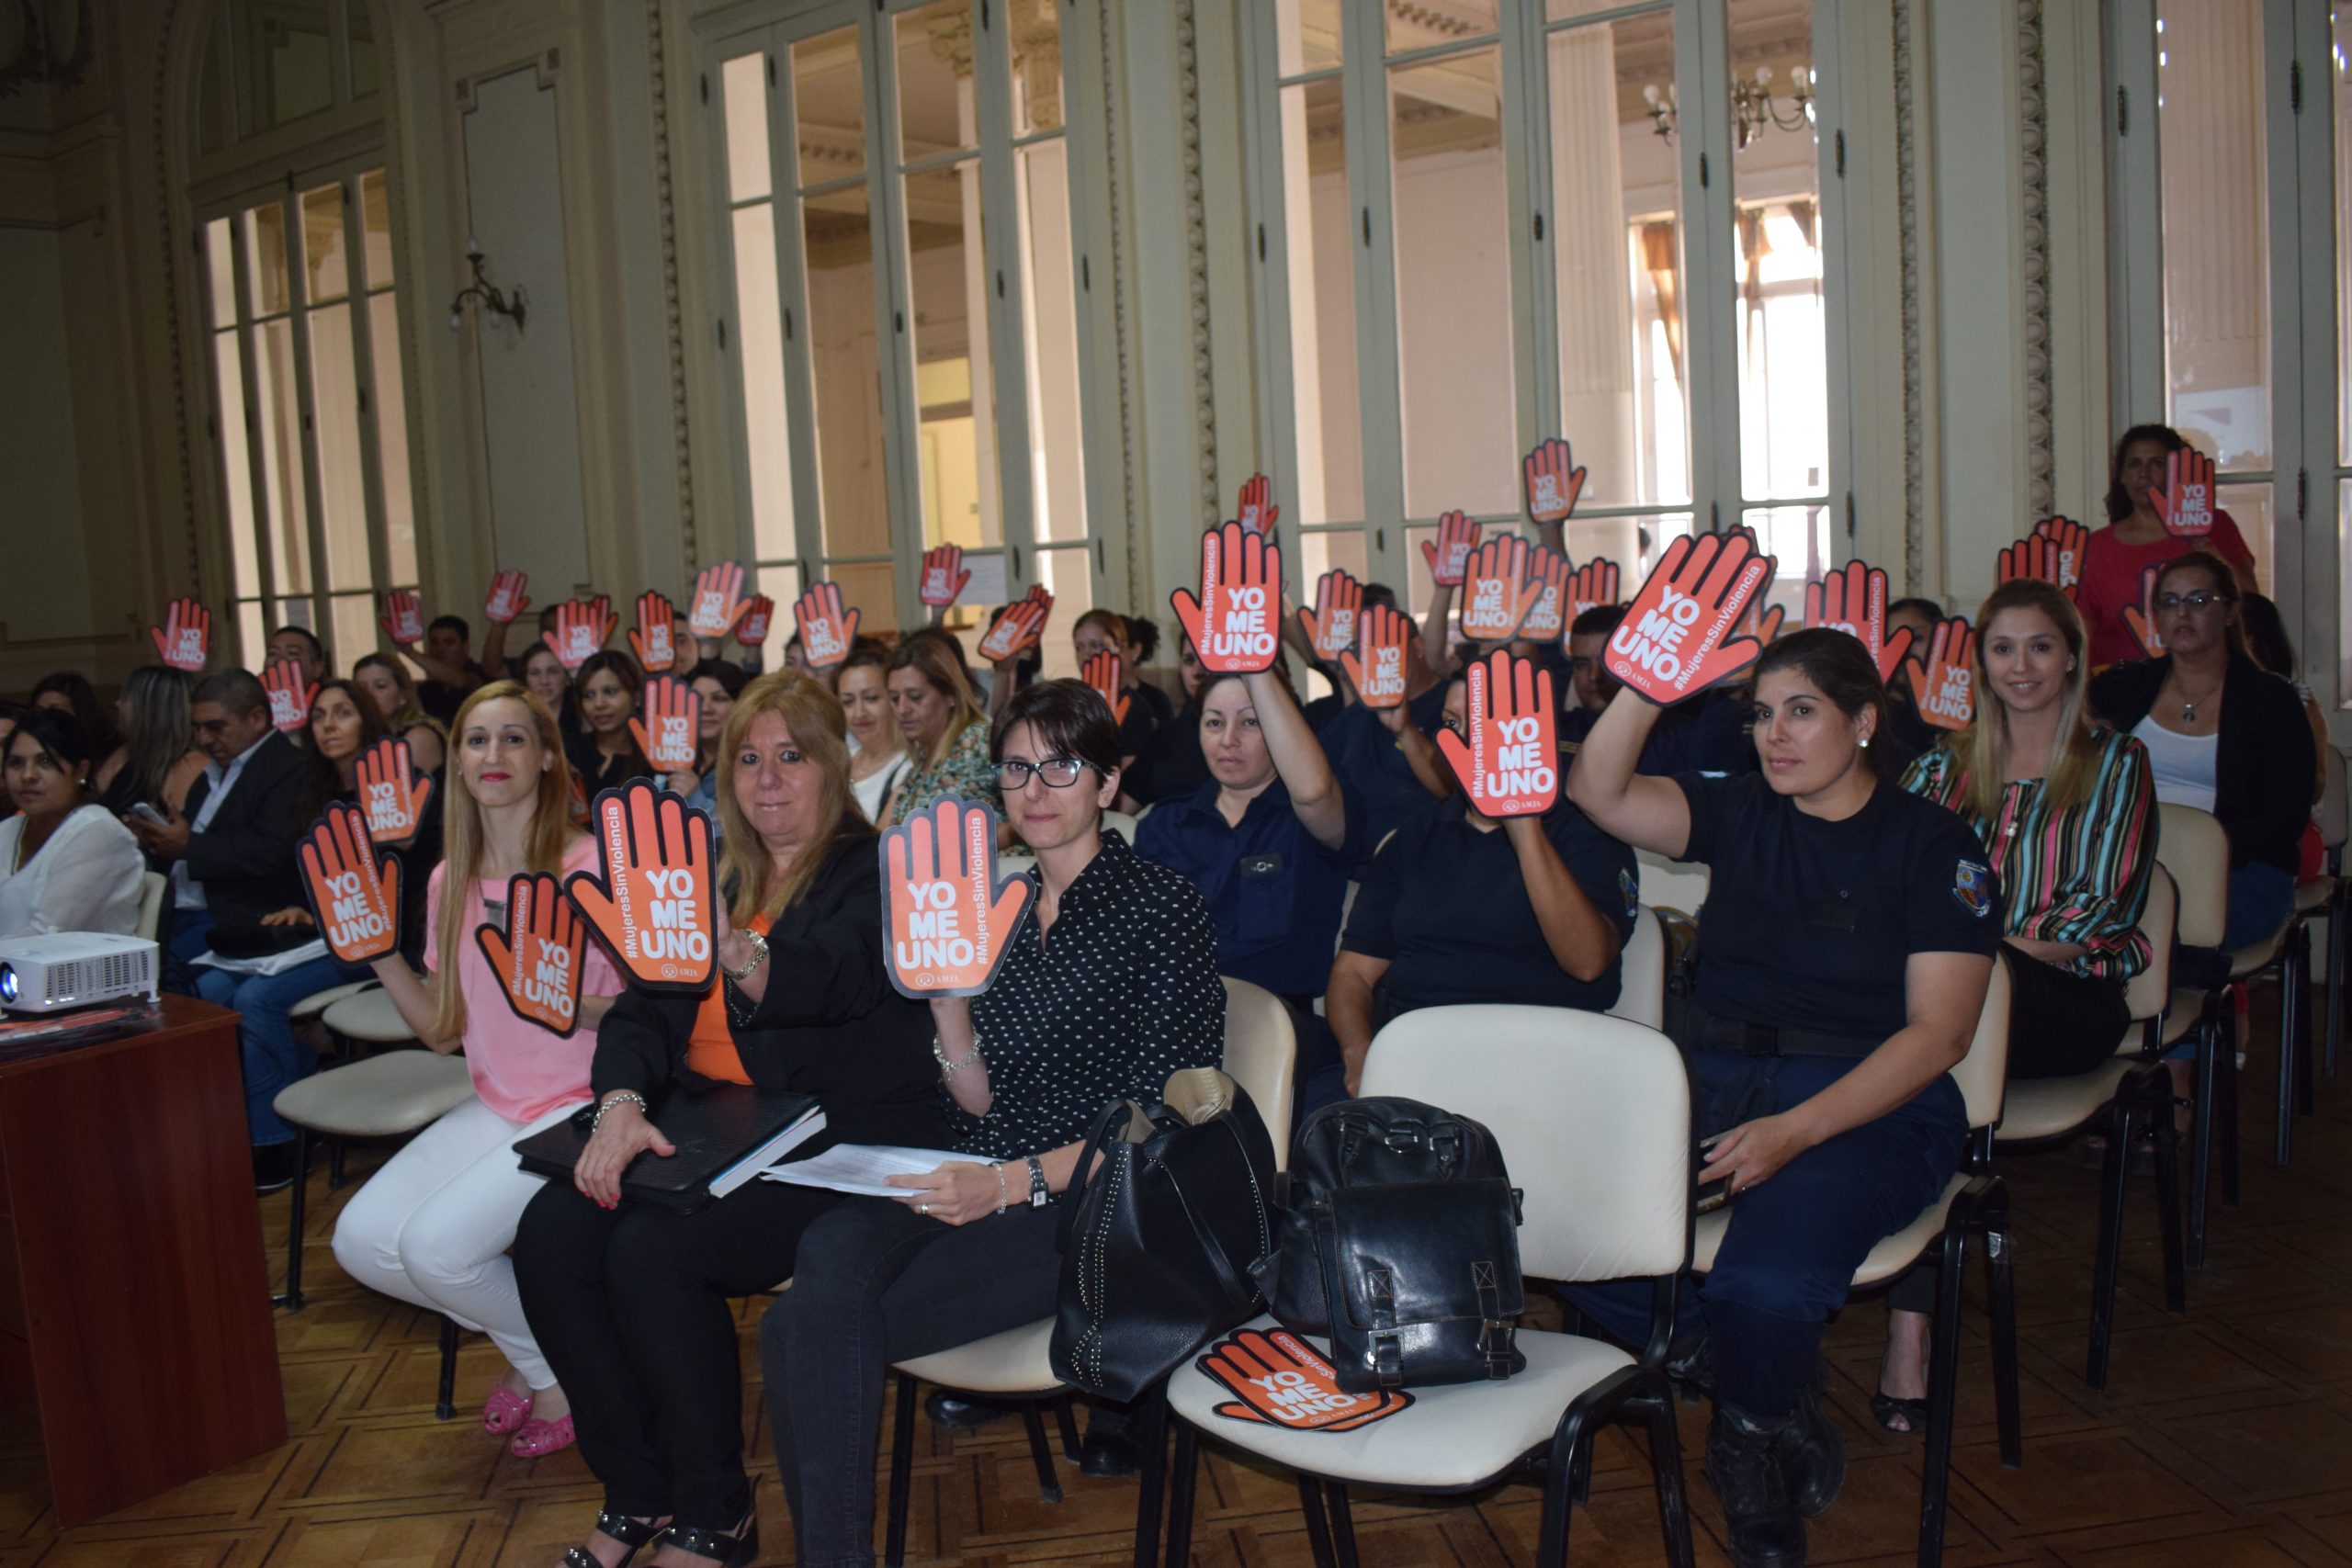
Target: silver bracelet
614, 1099
948, 1069
759, 956
1003, 1199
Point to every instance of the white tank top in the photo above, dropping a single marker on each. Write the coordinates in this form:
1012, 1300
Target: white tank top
2183, 765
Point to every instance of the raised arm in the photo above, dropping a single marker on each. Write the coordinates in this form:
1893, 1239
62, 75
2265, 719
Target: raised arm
1436, 646
1583, 940
1647, 813
1306, 771
1420, 754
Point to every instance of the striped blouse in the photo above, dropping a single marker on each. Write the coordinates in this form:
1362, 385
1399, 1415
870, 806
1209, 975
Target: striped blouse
2080, 877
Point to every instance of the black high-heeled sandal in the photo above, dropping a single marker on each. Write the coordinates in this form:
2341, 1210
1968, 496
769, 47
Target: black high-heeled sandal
633, 1533
731, 1550
1885, 1408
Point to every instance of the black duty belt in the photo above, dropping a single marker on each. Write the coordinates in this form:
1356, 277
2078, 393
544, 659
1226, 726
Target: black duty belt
1710, 1033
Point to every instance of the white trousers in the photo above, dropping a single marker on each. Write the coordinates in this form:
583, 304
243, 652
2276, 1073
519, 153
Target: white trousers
433, 1226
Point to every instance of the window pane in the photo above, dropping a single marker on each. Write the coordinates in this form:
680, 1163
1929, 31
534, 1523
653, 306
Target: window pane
391, 439
363, 49
265, 258
829, 102
1624, 401
252, 632
934, 51
782, 583
236, 463
1306, 35
945, 272
1068, 574
846, 364
1797, 537
2216, 233
220, 272
744, 84
1037, 69
2344, 564
351, 629
2341, 57
1342, 549
326, 265
1428, 27
1777, 250
767, 433
868, 587
2250, 507
1319, 226
1453, 321
280, 421
343, 489
376, 227
1057, 444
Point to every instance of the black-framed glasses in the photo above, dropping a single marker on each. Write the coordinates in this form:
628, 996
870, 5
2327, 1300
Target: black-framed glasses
1060, 773
2200, 601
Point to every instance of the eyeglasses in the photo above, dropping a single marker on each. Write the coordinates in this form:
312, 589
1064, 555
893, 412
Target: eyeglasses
1060, 773
1449, 722
2199, 601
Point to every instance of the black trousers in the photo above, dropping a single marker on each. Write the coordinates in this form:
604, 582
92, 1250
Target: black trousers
631, 1307
2061, 1023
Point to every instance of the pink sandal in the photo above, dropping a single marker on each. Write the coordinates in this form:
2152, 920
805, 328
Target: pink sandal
504, 1411
536, 1438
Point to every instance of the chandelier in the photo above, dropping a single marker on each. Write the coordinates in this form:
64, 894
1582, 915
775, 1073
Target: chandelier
1754, 108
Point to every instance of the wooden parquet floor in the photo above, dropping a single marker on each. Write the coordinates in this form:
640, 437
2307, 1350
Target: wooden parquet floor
2224, 1437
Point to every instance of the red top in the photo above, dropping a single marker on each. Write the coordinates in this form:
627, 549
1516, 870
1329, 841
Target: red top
2111, 580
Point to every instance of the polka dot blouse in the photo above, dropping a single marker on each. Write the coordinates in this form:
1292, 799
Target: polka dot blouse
1123, 992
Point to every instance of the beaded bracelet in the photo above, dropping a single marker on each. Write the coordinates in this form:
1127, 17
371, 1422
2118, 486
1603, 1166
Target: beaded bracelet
613, 1099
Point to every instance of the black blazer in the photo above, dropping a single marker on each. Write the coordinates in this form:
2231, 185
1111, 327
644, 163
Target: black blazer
2262, 785
245, 858
829, 1025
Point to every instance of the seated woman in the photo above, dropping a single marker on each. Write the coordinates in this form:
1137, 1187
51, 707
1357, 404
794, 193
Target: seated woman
880, 759
387, 683
158, 760
945, 734
604, 752
1843, 958
1171, 763
716, 683
1135, 641
1132, 995
2136, 538
65, 864
1460, 907
629, 1301
2066, 811
69, 692
432, 1226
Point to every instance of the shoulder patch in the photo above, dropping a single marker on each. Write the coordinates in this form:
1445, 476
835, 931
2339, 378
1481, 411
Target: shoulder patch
1972, 885
1633, 891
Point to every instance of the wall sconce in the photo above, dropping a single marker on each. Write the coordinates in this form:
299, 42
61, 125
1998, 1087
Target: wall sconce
495, 303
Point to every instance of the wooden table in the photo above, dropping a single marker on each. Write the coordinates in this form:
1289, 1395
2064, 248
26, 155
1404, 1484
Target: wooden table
134, 1294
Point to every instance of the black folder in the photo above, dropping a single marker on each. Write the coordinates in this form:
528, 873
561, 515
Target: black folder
726, 1134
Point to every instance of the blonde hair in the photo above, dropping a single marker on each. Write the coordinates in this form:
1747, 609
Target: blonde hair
1983, 749
813, 715
412, 709
463, 842
934, 655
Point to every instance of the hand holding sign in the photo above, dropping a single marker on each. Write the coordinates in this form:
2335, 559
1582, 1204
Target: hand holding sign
1548, 619
1448, 555
2140, 619
950, 922
651, 903
1853, 599
1500, 587
1258, 509
1106, 673
289, 695
1552, 482
718, 599
506, 599
403, 617
1943, 689
539, 956
1378, 672
1590, 586
1234, 623
1330, 627
185, 640
1278, 1381
673, 720
1016, 630
2186, 502
1673, 640
752, 629
943, 576
576, 636
357, 904
1507, 756
390, 792
2033, 556
826, 628
2073, 541
653, 638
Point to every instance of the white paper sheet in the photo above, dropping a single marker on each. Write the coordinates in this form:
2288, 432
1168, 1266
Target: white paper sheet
860, 1167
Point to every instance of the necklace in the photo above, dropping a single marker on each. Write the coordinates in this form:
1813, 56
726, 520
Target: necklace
2188, 704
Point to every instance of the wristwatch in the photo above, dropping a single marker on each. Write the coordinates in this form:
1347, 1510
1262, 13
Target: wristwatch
759, 956
1038, 1196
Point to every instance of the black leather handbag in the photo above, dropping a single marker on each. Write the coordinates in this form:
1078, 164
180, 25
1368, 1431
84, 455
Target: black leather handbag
1401, 1244
1160, 1245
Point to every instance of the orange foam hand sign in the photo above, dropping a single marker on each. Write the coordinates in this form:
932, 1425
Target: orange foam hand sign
1551, 481
1507, 756
403, 617
1853, 599
826, 628
651, 902
1448, 555
1330, 627
1592, 585
1018, 627
943, 576
507, 600
752, 629
185, 640
673, 720
1549, 618
575, 637
653, 638
1234, 623
1375, 666
1675, 637
718, 599
1500, 585
356, 902
1106, 673
289, 695
1258, 510
949, 922
2035, 557
1944, 689
391, 792
1277, 1381
1762, 622
2072, 542
2186, 502
2140, 619
539, 956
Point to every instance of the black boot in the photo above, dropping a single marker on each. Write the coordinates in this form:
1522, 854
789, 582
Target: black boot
1813, 1456
1111, 1448
1744, 1467
958, 1414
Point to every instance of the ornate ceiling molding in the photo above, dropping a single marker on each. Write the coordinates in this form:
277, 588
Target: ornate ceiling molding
2034, 194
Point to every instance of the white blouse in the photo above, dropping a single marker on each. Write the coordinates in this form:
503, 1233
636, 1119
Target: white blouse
2184, 766
86, 878
874, 793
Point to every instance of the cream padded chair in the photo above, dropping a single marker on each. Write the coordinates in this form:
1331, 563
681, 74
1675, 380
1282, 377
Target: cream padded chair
151, 904
315, 1006
2323, 899
1641, 994
1593, 1115
1671, 883
1124, 823
2195, 849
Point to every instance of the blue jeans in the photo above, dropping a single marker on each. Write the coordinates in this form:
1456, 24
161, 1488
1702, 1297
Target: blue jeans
1794, 1240
2260, 897
273, 1058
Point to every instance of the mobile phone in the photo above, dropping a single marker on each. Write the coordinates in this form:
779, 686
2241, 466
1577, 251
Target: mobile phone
1711, 1195
146, 813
